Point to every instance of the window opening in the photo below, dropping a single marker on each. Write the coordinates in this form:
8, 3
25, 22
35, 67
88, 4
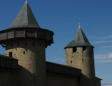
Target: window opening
23, 52
10, 54
74, 49
84, 48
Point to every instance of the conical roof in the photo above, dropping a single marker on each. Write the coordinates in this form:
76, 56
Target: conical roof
25, 18
80, 40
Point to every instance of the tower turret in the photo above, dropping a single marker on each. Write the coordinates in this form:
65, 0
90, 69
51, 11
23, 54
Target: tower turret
26, 41
79, 54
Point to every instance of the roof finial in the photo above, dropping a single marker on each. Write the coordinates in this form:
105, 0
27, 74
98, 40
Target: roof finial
26, 1
79, 24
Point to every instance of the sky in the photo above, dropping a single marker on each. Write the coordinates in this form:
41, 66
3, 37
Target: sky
62, 17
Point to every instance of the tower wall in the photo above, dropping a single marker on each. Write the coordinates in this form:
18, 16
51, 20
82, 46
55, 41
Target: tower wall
81, 58
73, 58
31, 56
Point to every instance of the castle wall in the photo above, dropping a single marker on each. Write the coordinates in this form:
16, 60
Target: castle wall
54, 79
74, 59
82, 59
98, 81
30, 55
16, 77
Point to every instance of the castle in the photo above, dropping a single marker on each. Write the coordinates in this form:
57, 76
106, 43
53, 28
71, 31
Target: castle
24, 63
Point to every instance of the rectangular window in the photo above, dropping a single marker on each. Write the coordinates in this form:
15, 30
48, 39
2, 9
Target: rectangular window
10, 54
74, 49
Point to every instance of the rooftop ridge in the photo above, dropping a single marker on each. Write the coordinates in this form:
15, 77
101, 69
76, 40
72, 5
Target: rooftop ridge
79, 40
25, 18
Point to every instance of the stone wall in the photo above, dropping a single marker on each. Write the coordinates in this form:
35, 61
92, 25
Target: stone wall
16, 77
54, 79
30, 54
81, 58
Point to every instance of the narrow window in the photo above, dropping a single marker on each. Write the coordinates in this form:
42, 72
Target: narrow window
71, 62
10, 54
82, 60
84, 48
23, 52
74, 49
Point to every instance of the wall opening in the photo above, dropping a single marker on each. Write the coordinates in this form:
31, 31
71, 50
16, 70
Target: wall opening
10, 54
84, 48
82, 60
71, 62
23, 52
74, 49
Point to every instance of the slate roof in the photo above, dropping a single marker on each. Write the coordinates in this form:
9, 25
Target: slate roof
80, 40
25, 18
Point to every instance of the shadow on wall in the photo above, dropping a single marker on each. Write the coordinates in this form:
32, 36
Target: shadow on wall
16, 77
85, 81
21, 77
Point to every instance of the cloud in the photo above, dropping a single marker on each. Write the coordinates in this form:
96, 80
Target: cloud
105, 43
104, 57
102, 41
107, 84
108, 37
106, 46
105, 39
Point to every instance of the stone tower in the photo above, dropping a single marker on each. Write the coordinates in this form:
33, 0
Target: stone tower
79, 54
26, 41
